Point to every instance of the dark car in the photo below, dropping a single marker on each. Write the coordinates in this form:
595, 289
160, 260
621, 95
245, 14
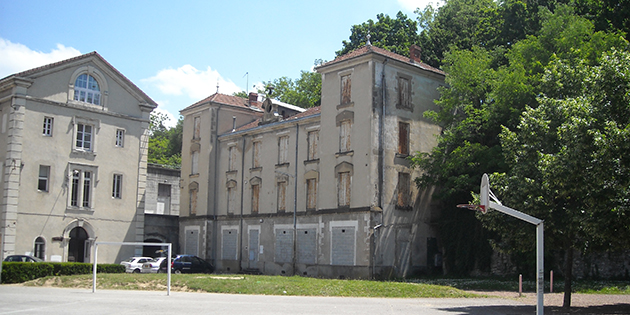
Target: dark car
187, 264
22, 258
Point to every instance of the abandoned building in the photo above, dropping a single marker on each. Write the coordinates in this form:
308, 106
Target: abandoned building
327, 191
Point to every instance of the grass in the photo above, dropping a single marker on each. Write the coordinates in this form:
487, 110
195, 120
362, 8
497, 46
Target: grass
304, 286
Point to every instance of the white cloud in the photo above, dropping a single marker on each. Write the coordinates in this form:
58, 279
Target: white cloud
171, 120
412, 5
15, 57
192, 82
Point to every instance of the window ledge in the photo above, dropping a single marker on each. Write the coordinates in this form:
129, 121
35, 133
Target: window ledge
232, 172
84, 153
404, 208
313, 161
346, 105
256, 169
409, 108
193, 175
347, 153
402, 156
79, 209
282, 165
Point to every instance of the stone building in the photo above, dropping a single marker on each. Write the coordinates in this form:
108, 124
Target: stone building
73, 145
327, 192
161, 211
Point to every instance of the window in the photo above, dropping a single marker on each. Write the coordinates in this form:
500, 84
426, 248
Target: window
255, 197
282, 196
311, 193
403, 138
404, 93
344, 136
44, 176
283, 150
48, 126
192, 206
197, 126
313, 142
117, 186
84, 137
194, 166
231, 203
346, 88
81, 188
86, 90
120, 138
232, 158
404, 191
256, 154
343, 188
40, 248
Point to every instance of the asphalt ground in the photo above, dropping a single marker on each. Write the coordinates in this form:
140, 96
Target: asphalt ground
46, 300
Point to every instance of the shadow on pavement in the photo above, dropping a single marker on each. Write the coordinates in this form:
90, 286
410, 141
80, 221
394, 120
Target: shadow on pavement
622, 308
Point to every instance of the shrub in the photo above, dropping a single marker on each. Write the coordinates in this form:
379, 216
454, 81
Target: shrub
17, 272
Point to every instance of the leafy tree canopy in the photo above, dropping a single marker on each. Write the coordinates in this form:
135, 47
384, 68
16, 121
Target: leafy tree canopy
304, 92
165, 144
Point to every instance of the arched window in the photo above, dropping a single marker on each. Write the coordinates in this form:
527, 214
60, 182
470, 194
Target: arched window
40, 248
86, 90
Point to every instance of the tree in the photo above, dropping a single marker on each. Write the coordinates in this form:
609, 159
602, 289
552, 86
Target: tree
586, 130
395, 35
304, 92
165, 145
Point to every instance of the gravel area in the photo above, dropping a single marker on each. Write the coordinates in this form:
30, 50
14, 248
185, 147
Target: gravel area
580, 303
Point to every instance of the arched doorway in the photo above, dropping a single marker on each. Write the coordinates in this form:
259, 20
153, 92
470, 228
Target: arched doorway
154, 251
77, 244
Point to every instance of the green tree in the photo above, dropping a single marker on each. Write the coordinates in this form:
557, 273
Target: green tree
394, 34
165, 144
568, 162
304, 92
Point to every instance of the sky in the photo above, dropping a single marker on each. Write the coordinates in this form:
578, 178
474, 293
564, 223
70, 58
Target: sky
177, 52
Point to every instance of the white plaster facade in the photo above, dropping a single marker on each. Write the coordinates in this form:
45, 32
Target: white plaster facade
74, 170
327, 192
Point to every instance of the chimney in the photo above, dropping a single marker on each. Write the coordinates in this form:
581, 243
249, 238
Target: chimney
253, 97
414, 53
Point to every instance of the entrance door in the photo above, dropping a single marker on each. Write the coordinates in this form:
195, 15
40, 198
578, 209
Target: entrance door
77, 245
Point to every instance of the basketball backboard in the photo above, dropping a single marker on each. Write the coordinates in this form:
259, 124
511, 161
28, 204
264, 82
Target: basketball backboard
484, 198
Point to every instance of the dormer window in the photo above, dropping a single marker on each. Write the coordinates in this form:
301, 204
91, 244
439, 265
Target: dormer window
86, 90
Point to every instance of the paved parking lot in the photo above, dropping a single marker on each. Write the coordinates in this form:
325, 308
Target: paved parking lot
38, 300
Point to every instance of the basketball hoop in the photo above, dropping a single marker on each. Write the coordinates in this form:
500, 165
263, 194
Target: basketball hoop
480, 208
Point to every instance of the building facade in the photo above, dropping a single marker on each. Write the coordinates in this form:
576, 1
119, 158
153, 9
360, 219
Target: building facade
161, 209
327, 192
73, 143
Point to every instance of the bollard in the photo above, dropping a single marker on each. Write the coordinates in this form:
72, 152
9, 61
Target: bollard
551, 281
520, 285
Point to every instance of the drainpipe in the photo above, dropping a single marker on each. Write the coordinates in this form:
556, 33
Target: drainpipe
381, 163
295, 183
214, 188
240, 239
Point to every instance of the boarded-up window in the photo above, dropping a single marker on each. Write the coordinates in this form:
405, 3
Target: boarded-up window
311, 193
256, 154
197, 126
253, 245
255, 197
404, 192
229, 244
192, 206
343, 246
346, 89
232, 158
313, 142
283, 150
231, 196
282, 196
403, 138
194, 160
307, 246
344, 136
343, 187
404, 93
284, 246
192, 242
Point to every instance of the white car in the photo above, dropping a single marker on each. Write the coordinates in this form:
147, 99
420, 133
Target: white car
134, 264
153, 265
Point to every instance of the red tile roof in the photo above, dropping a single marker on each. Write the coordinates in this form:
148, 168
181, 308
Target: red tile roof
383, 52
225, 100
309, 112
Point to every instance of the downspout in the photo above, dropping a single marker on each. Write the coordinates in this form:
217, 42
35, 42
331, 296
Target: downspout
214, 188
295, 183
381, 164
240, 239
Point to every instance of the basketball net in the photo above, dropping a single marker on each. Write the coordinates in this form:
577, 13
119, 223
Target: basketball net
480, 208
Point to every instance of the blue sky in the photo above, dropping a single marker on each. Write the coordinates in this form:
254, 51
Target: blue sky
177, 51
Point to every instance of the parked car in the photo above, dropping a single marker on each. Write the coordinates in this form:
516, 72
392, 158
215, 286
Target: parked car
152, 265
22, 258
187, 264
134, 264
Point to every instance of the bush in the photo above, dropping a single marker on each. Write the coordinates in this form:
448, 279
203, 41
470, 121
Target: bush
17, 272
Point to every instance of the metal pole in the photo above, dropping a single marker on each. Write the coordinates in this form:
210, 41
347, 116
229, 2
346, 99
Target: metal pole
540, 281
94, 267
168, 268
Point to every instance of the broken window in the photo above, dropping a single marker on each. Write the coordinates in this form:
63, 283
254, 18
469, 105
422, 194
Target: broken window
404, 191
404, 93
343, 188
403, 138
256, 154
313, 142
346, 88
311, 193
283, 150
344, 136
